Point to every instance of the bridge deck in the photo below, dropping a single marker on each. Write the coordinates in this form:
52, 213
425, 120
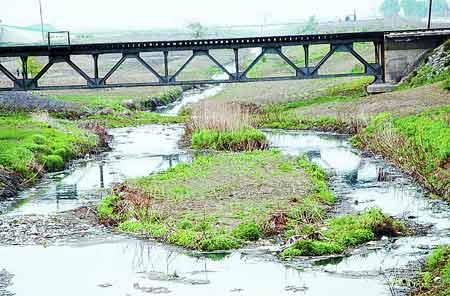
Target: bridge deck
339, 42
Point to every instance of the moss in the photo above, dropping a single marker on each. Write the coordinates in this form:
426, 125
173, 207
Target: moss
239, 140
53, 163
247, 231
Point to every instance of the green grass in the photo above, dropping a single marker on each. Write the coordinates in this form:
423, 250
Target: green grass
221, 201
345, 232
282, 115
234, 140
434, 278
134, 119
426, 74
93, 102
27, 144
419, 143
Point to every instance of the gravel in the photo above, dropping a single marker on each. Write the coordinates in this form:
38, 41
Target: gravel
47, 230
5, 282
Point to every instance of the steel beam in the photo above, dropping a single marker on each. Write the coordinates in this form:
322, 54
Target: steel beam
339, 42
113, 69
148, 67
7, 73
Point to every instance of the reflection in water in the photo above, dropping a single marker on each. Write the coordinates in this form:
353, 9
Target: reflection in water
133, 267
136, 152
128, 267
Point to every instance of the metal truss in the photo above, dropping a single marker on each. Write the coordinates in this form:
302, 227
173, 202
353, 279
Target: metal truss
267, 45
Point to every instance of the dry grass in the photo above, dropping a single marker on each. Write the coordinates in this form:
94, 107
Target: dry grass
221, 117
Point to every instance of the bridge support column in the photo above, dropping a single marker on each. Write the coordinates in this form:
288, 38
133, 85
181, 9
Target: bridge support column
236, 63
404, 55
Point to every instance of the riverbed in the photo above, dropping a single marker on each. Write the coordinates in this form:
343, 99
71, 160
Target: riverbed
105, 263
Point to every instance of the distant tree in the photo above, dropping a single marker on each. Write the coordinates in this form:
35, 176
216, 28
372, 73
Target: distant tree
440, 8
197, 29
33, 66
311, 25
390, 8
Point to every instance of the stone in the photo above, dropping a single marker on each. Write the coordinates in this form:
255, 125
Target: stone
378, 88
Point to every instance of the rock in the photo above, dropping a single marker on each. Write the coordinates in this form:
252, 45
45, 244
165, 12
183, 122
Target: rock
152, 290
130, 104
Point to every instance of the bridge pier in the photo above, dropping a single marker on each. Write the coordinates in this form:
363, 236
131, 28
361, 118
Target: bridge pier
404, 52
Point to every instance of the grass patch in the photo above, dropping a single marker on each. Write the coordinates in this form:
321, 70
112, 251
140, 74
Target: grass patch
135, 118
238, 140
420, 144
220, 201
427, 74
29, 143
283, 115
118, 103
434, 278
346, 232
226, 127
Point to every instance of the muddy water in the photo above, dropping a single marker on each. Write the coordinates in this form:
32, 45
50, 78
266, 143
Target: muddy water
123, 265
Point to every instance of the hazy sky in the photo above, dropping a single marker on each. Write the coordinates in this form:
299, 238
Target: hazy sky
134, 14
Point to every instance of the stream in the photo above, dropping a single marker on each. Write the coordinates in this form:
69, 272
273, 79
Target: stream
115, 264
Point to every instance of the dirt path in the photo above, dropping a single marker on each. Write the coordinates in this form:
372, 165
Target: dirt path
401, 103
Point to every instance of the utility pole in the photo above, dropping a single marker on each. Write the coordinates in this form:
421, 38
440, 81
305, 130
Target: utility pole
42, 21
429, 14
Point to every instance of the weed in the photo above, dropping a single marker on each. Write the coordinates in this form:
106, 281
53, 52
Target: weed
235, 140
344, 232
247, 231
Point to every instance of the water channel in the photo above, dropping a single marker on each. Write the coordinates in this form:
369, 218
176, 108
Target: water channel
123, 265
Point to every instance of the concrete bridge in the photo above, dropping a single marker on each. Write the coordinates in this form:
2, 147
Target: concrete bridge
395, 53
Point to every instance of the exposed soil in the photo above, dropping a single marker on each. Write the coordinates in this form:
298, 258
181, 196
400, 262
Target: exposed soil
229, 187
400, 103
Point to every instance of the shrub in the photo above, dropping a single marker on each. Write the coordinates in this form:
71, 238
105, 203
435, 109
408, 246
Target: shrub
39, 139
312, 248
53, 163
218, 242
247, 231
106, 209
309, 211
345, 232
238, 140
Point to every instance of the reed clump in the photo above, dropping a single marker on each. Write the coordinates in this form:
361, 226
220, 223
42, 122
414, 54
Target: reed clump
224, 127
